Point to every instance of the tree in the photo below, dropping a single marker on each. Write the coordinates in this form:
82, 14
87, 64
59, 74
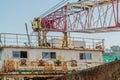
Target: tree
115, 49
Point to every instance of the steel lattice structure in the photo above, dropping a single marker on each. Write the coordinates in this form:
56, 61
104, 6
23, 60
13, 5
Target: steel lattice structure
88, 16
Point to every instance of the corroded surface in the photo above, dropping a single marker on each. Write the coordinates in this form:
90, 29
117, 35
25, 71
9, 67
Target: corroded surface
23, 64
109, 71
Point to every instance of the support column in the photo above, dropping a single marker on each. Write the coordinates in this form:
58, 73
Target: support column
39, 37
65, 40
44, 41
39, 32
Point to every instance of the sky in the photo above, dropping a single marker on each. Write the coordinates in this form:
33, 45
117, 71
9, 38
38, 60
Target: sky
15, 13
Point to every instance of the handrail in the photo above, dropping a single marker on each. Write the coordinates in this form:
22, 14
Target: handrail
20, 40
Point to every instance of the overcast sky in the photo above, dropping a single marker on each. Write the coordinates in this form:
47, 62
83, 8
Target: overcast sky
14, 14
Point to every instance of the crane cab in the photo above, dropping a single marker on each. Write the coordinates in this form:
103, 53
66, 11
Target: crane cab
36, 24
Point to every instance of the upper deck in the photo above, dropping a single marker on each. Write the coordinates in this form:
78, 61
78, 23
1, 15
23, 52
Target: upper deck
11, 40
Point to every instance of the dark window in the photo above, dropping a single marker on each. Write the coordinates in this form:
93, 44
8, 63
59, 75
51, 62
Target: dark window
23, 54
49, 55
19, 54
81, 55
53, 55
86, 56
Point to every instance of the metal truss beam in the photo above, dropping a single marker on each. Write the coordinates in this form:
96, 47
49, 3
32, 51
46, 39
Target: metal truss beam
88, 16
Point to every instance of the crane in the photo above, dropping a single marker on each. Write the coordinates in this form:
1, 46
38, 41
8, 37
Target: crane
85, 16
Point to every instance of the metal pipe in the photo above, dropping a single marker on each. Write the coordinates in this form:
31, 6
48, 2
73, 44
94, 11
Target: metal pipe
27, 33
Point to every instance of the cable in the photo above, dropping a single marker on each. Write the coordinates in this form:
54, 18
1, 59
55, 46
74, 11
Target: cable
53, 8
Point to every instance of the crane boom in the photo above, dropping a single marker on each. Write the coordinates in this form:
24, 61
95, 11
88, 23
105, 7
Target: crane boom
88, 16
85, 16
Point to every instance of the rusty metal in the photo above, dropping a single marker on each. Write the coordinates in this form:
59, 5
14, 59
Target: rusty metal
31, 74
10, 65
73, 63
109, 71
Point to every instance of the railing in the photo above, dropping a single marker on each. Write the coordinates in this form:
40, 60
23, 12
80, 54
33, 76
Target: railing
21, 40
